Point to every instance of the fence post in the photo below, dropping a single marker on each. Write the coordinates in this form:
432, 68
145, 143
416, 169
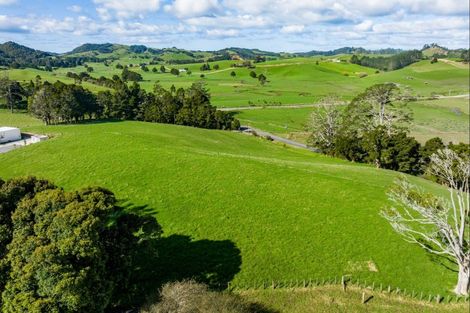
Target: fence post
363, 297
343, 283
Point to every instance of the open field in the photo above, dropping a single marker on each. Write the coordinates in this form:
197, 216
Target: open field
445, 118
286, 213
326, 299
291, 81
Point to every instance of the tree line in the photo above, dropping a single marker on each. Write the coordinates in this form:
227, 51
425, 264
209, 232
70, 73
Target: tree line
373, 128
390, 63
62, 103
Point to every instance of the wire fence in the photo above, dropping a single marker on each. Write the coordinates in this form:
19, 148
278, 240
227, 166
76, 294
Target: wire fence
345, 282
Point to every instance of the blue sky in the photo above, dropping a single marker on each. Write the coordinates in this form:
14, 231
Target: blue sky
274, 25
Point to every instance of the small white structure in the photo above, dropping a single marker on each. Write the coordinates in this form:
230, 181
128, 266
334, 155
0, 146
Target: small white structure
38, 138
8, 134
182, 70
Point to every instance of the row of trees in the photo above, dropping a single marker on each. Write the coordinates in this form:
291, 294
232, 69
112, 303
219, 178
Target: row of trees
390, 63
373, 128
68, 251
62, 103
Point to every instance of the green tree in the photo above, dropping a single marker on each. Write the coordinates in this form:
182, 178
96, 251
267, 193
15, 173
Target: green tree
11, 91
395, 152
430, 147
253, 74
11, 193
71, 251
163, 69
262, 79
233, 74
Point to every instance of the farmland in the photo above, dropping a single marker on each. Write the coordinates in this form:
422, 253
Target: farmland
291, 214
445, 118
240, 211
290, 81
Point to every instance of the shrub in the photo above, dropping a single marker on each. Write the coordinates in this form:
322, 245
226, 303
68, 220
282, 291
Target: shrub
189, 296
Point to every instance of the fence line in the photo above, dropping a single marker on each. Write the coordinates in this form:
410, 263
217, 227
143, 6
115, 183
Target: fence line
346, 281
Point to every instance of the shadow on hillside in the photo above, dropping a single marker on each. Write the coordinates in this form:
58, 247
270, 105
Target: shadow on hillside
158, 260
444, 261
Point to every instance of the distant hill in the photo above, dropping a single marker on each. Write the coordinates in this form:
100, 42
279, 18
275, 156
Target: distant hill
435, 50
350, 50
16, 55
101, 48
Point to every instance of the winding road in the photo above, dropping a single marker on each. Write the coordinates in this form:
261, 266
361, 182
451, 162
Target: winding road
262, 133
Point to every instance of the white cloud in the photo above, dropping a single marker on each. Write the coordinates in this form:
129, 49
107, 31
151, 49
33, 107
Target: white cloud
125, 9
364, 26
238, 21
7, 2
13, 24
292, 29
222, 32
75, 8
191, 8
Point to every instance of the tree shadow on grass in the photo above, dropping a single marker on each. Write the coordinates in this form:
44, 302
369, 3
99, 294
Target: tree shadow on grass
213, 262
157, 260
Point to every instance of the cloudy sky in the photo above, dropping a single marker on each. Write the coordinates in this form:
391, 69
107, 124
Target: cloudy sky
274, 25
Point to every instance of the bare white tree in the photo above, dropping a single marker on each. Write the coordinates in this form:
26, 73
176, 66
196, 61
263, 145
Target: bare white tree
438, 225
381, 105
324, 123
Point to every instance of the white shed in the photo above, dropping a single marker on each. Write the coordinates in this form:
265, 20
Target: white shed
8, 134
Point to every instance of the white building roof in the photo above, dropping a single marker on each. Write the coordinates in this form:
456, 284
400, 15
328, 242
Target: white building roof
6, 128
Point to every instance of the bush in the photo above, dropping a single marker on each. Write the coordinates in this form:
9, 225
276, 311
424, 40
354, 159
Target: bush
189, 296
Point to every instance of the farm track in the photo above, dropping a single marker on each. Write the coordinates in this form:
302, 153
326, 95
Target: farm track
300, 106
262, 133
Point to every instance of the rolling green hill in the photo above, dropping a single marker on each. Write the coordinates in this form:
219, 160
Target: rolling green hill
291, 213
290, 81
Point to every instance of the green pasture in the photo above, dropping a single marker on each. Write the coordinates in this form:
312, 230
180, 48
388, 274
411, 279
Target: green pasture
290, 81
276, 213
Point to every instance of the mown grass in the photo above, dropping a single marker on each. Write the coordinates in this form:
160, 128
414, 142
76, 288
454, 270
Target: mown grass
291, 81
328, 299
292, 214
17, 119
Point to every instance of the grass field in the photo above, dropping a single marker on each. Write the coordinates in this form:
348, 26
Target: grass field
291, 81
287, 213
445, 118
329, 299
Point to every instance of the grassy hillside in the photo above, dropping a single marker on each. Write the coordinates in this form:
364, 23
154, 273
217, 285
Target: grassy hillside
287, 213
291, 81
